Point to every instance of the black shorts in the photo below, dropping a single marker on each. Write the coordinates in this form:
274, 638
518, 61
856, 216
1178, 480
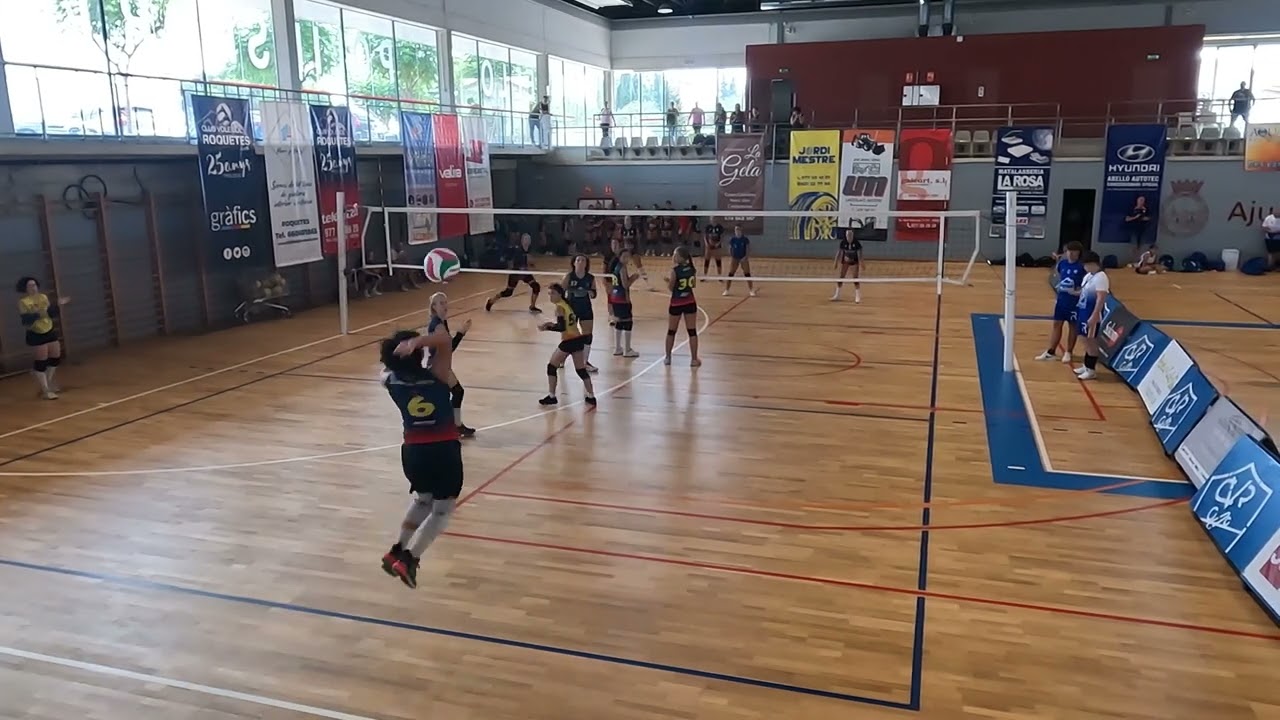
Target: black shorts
1273, 243
582, 308
433, 469
849, 263
573, 345
713, 245
621, 311
35, 339
513, 280
678, 310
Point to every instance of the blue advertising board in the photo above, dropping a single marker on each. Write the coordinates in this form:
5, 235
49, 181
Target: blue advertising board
1137, 357
1133, 173
1182, 408
233, 181
419, 174
1237, 505
1023, 159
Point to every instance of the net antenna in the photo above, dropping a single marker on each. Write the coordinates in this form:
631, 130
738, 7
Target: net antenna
794, 246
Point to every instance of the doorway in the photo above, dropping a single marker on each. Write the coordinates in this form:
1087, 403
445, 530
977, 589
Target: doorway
1077, 217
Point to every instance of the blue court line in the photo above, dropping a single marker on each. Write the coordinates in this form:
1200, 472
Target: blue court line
1010, 439
139, 583
922, 581
1185, 323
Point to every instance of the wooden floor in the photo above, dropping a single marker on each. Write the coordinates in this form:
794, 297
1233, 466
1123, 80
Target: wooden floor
193, 530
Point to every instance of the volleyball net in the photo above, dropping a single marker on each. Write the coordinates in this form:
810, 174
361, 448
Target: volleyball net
784, 245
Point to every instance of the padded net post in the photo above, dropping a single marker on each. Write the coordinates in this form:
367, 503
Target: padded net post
1010, 275
343, 318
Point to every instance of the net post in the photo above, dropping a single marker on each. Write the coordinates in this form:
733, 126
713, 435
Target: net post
386, 235
342, 263
942, 243
1010, 274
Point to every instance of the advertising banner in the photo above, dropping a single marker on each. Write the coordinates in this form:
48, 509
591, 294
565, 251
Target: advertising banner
1163, 375
924, 181
336, 171
475, 145
813, 182
1133, 173
1262, 147
1213, 437
1139, 354
740, 187
1118, 325
1023, 159
451, 178
1237, 503
232, 179
289, 152
419, 175
1262, 574
866, 166
1182, 408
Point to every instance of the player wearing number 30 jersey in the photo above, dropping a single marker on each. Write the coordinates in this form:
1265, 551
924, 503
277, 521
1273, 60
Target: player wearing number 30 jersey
681, 282
431, 455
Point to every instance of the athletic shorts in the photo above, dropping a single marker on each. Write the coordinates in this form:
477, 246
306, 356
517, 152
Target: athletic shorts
1273, 243
433, 469
35, 339
849, 263
582, 308
573, 345
678, 310
621, 311
1065, 311
514, 280
1082, 325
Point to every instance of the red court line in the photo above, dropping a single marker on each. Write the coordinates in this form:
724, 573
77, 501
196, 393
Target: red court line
838, 528
912, 592
512, 465
1097, 407
924, 408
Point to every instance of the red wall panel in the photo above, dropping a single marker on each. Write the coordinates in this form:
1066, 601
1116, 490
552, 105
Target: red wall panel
1081, 70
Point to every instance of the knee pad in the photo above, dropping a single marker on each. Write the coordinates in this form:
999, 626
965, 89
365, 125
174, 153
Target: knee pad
54, 362
455, 394
508, 292
626, 325
693, 332
39, 365
443, 507
551, 370
671, 333
582, 373
587, 338
535, 287
732, 272
746, 274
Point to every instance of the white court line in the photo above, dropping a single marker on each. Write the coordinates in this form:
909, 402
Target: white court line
229, 368
706, 322
1040, 445
180, 685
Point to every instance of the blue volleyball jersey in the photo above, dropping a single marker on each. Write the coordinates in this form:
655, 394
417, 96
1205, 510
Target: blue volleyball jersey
686, 278
1070, 277
425, 406
579, 288
618, 292
738, 246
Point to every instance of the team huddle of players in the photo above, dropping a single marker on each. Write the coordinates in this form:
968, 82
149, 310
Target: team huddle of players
419, 375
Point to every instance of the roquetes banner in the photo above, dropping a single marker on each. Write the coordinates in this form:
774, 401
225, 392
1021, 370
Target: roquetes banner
924, 182
419, 175
740, 186
336, 171
866, 166
289, 154
232, 180
813, 181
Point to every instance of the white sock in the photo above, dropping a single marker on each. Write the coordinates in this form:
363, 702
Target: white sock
586, 355
419, 509
617, 339
457, 417
432, 526
42, 379
49, 374
626, 340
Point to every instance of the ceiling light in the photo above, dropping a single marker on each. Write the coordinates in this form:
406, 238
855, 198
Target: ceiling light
665, 9
597, 4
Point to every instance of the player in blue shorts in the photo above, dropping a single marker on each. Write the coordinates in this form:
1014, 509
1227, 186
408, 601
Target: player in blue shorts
739, 257
1068, 275
431, 455
1093, 300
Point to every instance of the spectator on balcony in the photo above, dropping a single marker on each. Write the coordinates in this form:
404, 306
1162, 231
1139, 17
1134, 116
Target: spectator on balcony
757, 124
673, 122
797, 118
1241, 102
696, 116
606, 121
738, 120
544, 119
720, 118
535, 124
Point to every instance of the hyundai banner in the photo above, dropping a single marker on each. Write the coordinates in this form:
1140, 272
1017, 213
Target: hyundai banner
289, 154
451, 180
232, 177
336, 171
1133, 175
475, 145
866, 167
1023, 159
924, 182
419, 175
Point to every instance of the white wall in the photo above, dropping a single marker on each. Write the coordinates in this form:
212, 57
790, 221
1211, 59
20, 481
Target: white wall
671, 45
528, 24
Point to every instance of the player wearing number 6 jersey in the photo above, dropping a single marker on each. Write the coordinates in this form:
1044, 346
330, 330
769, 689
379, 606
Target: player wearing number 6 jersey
431, 455
681, 283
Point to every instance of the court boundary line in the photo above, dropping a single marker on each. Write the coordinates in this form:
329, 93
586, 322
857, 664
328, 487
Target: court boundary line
148, 679
229, 368
1228, 300
145, 584
926, 514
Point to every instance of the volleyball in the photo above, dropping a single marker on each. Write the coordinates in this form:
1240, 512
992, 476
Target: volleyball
441, 265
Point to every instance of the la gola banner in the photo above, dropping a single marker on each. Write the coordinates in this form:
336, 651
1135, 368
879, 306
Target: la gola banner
740, 186
924, 182
866, 168
812, 183
451, 177
1262, 147
336, 172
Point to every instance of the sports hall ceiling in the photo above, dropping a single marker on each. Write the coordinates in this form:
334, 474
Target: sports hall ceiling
632, 9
